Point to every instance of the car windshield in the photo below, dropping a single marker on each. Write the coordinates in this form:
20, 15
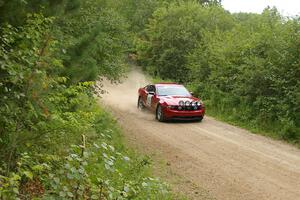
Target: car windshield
172, 90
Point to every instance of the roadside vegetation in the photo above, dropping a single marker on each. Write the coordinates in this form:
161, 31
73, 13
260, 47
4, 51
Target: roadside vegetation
245, 66
55, 140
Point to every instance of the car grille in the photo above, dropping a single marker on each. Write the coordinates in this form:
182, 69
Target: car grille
185, 108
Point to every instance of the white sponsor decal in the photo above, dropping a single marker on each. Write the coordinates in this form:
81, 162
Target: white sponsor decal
149, 99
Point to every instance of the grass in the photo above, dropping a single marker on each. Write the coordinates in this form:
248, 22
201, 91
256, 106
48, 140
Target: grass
250, 126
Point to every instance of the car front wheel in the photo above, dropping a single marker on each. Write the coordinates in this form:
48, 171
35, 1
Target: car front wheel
160, 114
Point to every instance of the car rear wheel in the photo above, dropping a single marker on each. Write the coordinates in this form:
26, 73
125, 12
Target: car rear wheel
160, 114
140, 104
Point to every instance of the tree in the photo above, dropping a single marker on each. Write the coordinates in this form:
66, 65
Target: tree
175, 31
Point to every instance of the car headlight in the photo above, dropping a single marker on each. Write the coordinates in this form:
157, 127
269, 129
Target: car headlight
181, 103
187, 103
194, 105
199, 103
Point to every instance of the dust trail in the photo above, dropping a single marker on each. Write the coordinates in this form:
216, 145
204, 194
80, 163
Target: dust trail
229, 162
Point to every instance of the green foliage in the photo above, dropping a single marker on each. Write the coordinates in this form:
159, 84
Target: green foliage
40, 69
94, 42
99, 167
14, 12
24, 101
137, 13
250, 73
100, 171
48, 65
245, 65
173, 32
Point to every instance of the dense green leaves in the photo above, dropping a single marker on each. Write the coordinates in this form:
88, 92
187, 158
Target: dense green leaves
48, 66
172, 34
245, 65
257, 69
14, 12
95, 42
23, 101
43, 60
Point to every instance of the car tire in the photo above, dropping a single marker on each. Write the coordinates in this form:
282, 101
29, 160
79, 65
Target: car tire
140, 104
159, 114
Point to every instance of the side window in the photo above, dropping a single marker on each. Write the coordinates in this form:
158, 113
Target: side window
153, 87
150, 88
147, 88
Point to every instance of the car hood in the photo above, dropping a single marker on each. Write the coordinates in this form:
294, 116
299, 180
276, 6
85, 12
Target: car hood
174, 100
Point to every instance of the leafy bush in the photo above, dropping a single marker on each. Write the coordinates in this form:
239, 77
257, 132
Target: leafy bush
255, 66
24, 103
48, 105
246, 66
99, 167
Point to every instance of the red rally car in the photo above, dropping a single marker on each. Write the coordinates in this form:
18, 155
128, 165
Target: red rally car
170, 101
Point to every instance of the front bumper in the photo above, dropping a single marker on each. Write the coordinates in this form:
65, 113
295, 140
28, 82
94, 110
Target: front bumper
183, 114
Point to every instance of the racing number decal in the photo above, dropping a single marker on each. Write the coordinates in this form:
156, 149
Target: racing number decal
149, 99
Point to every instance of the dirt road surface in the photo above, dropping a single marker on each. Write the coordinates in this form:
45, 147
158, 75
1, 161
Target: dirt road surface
211, 159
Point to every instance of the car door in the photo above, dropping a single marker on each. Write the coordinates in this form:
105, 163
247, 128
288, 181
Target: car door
150, 92
143, 94
153, 98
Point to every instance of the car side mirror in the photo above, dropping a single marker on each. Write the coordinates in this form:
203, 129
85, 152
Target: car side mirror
192, 93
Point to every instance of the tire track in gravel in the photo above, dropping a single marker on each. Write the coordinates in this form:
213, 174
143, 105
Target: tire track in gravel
219, 160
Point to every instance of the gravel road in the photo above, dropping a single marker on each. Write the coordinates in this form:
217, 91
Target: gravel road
226, 161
